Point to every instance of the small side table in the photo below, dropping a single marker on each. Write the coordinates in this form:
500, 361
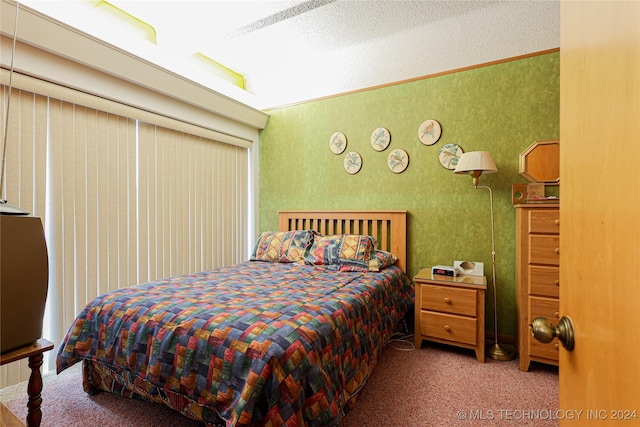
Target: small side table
34, 352
450, 310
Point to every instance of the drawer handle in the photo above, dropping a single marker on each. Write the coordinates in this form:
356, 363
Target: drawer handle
557, 283
557, 222
447, 300
556, 346
557, 250
447, 328
557, 315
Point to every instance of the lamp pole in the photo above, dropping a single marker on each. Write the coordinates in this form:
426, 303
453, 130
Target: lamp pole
496, 351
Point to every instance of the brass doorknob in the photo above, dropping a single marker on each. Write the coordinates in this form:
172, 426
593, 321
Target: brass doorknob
544, 331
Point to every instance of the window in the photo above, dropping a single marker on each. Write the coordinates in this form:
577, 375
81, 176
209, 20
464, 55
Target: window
123, 200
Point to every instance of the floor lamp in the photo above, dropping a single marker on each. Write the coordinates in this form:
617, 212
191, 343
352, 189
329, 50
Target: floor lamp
475, 163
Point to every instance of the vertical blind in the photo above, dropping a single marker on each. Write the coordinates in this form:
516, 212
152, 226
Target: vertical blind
122, 202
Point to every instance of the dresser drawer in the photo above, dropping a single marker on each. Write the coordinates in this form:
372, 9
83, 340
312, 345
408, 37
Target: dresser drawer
544, 281
448, 327
548, 308
549, 351
448, 300
544, 221
544, 307
544, 250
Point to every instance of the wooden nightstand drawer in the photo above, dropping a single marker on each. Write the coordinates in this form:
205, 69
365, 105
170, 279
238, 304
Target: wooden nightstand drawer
544, 281
546, 221
448, 327
544, 250
448, 300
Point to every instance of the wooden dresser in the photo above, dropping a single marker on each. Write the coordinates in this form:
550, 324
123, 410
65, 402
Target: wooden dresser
537, 278
450, 310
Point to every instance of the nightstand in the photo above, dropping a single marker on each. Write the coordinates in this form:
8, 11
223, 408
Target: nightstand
450, 310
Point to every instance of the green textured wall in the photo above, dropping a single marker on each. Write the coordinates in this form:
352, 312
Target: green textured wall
500, 108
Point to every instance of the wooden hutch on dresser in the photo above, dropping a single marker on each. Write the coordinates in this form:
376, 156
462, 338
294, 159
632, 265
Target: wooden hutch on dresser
537, 278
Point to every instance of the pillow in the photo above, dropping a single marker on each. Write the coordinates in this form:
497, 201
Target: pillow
343, 252
381, 259
282, 246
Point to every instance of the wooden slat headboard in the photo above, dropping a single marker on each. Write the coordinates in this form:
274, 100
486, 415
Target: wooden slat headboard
388, 227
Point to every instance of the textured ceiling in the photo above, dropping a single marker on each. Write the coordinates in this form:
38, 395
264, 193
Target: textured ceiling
292, 51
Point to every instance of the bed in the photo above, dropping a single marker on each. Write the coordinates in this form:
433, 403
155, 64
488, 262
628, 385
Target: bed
288, 337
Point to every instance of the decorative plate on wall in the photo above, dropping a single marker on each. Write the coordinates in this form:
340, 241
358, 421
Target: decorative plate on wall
338, 143
449, 156
380, 139
429, 132
352, 162
398, 160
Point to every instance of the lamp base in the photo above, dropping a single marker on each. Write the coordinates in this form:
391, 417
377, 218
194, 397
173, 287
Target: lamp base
498, 352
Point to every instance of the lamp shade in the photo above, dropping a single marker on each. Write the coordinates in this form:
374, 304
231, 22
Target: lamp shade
476, 161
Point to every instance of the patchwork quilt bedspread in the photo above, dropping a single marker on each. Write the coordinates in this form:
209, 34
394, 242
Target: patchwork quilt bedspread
257, 343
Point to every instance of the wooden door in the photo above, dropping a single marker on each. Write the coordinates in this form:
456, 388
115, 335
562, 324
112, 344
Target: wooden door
600, 211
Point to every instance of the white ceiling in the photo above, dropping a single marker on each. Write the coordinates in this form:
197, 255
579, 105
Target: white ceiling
292, 51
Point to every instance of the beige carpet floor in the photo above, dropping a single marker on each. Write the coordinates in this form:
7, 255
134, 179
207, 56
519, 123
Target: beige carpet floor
433, 386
